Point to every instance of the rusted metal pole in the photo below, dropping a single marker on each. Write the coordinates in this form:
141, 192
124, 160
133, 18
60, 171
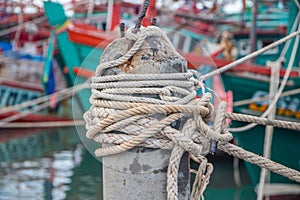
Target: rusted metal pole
122, 29
153, 21
142, 14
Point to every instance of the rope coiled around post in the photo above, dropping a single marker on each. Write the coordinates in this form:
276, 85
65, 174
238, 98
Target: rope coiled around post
132, 117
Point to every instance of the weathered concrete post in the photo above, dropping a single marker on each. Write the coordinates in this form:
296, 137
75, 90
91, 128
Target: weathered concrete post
141, 173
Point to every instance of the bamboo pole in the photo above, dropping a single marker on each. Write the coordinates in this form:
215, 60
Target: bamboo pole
264, 173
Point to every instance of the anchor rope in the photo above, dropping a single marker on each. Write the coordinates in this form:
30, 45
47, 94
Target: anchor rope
15, 28
126, 121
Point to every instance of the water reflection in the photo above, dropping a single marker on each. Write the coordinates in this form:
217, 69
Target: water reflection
54, 165
48, 164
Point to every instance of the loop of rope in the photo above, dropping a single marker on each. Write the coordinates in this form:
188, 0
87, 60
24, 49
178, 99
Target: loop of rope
139, 40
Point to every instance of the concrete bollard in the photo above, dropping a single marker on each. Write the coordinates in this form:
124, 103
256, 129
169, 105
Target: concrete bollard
141, 173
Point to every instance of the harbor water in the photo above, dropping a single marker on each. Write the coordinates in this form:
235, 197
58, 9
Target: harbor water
47, 164
53, 164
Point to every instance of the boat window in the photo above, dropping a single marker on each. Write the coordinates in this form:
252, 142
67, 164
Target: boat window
265, 42
181, 42
187, 44
171, 35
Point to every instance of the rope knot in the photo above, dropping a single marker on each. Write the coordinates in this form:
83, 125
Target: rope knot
219, 131
220, 126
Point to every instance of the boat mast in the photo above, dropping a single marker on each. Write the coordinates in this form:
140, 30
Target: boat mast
253, 38
113, 15
90, 11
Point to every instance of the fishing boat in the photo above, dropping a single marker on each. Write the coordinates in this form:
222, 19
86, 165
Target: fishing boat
29, 76
81, 47
283, 142
21, 84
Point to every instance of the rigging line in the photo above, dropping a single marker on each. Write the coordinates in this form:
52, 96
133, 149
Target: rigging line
279, 91
266, 97
44, 124
19, 29
42, 99
287, 44
14, 28
90, 10
252, 55
27, 112
263, 121
297, 4
34, 110
23, 114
